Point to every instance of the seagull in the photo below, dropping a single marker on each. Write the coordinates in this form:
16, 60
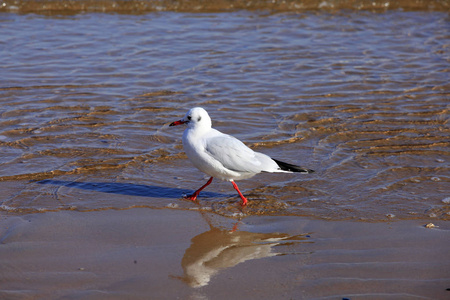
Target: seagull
224, 156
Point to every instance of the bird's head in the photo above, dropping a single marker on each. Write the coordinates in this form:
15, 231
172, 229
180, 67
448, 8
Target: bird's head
195, 117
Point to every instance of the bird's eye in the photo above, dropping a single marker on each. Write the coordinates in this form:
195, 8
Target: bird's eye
189, 118
199, 118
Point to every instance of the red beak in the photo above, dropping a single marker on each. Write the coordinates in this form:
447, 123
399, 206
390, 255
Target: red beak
180, 122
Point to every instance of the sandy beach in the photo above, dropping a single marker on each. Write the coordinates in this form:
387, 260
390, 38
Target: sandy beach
146, 253
92, 176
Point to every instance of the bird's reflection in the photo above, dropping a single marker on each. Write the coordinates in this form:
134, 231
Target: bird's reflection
218, 249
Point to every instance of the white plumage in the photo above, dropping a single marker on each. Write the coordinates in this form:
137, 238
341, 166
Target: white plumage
223, 156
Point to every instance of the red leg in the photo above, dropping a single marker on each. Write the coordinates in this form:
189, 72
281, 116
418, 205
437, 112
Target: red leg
244, 200
194, 196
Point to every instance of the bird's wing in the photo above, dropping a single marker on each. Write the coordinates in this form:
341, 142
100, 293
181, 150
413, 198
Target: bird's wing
233, 154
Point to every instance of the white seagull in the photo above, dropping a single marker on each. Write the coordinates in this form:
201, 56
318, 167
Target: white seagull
223, 156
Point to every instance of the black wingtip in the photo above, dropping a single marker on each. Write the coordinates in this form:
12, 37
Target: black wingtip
292, 168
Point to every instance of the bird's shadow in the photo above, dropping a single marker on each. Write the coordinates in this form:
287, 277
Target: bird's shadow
130, 189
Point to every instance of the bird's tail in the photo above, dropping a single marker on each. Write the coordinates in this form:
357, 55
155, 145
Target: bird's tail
292, 168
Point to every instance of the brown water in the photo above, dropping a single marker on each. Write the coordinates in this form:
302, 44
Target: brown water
359, 96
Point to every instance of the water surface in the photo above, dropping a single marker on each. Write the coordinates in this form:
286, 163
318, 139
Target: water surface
359, 96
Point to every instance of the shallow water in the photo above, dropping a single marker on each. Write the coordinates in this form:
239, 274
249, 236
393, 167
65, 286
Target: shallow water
361, 97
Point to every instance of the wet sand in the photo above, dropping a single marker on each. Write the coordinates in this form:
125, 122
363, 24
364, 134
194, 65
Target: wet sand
91, 176
145, 6
146, 253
